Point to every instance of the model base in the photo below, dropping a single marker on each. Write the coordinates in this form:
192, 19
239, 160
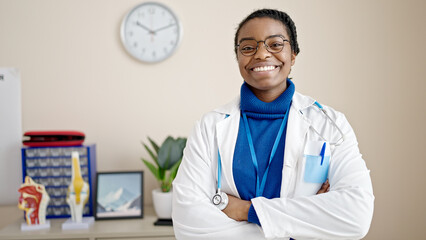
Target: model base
85, 224
35, 227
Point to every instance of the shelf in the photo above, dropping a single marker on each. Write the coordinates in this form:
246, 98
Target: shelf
131, 229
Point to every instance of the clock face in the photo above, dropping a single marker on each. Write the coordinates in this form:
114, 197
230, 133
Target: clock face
151, 32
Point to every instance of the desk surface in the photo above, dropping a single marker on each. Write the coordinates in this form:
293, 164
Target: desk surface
102, 229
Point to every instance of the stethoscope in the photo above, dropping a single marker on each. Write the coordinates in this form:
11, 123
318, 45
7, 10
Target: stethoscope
341, 139
220, 199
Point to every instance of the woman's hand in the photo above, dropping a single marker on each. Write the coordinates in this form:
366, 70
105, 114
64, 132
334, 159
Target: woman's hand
238, 209
324, 188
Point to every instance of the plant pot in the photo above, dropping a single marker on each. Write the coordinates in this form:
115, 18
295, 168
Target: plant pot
162, 203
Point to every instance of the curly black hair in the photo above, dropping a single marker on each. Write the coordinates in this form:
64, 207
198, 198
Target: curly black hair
283, 17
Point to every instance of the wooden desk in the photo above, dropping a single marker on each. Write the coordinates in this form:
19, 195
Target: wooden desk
132, 229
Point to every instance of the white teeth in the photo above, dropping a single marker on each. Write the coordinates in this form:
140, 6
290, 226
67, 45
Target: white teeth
265, 68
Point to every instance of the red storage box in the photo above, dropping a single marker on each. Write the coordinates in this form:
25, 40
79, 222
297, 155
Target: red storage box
53, 138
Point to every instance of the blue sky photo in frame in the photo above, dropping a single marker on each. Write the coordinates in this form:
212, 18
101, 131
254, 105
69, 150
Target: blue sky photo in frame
119, 195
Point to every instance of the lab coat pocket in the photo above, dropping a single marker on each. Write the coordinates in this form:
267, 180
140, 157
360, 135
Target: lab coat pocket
316, 168
311, 173
317, 161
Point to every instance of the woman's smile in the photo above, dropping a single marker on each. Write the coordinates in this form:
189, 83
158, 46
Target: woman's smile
267, 68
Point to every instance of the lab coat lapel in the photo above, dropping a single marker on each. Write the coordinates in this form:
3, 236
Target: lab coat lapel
297, 128
227, 132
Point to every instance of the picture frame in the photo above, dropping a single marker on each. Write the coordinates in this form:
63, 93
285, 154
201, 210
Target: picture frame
119, 195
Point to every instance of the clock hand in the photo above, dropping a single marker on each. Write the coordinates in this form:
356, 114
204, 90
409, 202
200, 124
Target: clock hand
162, 28
142, 26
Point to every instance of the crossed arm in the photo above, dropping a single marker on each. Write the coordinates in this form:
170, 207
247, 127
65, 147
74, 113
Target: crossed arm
238, 209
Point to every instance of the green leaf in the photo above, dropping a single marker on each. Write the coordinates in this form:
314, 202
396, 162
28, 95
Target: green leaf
161, 174
153, 169
172, 175
170, 152
182, 143
173, 170
163, 152
154, 145
154, 157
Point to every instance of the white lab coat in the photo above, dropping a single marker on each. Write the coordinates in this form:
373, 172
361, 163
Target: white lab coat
345, 212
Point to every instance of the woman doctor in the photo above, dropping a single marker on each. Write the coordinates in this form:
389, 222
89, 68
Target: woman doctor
260, 166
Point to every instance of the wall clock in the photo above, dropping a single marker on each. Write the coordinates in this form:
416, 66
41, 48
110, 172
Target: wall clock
151, 32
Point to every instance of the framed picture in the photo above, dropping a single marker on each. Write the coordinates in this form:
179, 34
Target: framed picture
119, 195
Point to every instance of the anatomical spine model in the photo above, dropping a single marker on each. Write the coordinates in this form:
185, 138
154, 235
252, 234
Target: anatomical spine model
33, 200
78, 191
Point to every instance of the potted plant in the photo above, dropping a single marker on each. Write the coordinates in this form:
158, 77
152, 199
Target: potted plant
166, 158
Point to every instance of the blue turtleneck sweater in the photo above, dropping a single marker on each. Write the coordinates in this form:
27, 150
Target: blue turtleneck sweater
264, 121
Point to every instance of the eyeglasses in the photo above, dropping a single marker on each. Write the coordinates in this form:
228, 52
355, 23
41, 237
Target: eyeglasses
249, 47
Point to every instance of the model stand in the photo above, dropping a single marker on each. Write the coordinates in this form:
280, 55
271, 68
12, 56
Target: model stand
26, 227
35, 227
84, 224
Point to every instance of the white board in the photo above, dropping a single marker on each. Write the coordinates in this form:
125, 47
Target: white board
10, 135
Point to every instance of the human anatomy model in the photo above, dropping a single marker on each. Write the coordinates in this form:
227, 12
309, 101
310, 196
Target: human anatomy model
78, 191
33, 200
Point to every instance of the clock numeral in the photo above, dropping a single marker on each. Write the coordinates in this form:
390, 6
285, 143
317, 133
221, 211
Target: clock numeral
135, 44
143, 51
165, 50
130, 34
141, 14
154, 54
164, 13
172, 42
151, 10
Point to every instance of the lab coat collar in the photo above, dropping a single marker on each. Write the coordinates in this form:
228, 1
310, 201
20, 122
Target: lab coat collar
299, 102
230, 108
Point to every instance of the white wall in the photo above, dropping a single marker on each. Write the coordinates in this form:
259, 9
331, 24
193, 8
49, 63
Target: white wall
10, 135
364, 58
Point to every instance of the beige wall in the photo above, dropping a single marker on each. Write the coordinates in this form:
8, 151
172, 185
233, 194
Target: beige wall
364, 58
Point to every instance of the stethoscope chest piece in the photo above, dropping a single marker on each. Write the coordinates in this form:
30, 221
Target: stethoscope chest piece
220, 200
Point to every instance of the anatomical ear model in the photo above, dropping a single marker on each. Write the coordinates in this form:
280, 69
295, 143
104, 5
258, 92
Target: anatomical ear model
78, 191
33, 200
